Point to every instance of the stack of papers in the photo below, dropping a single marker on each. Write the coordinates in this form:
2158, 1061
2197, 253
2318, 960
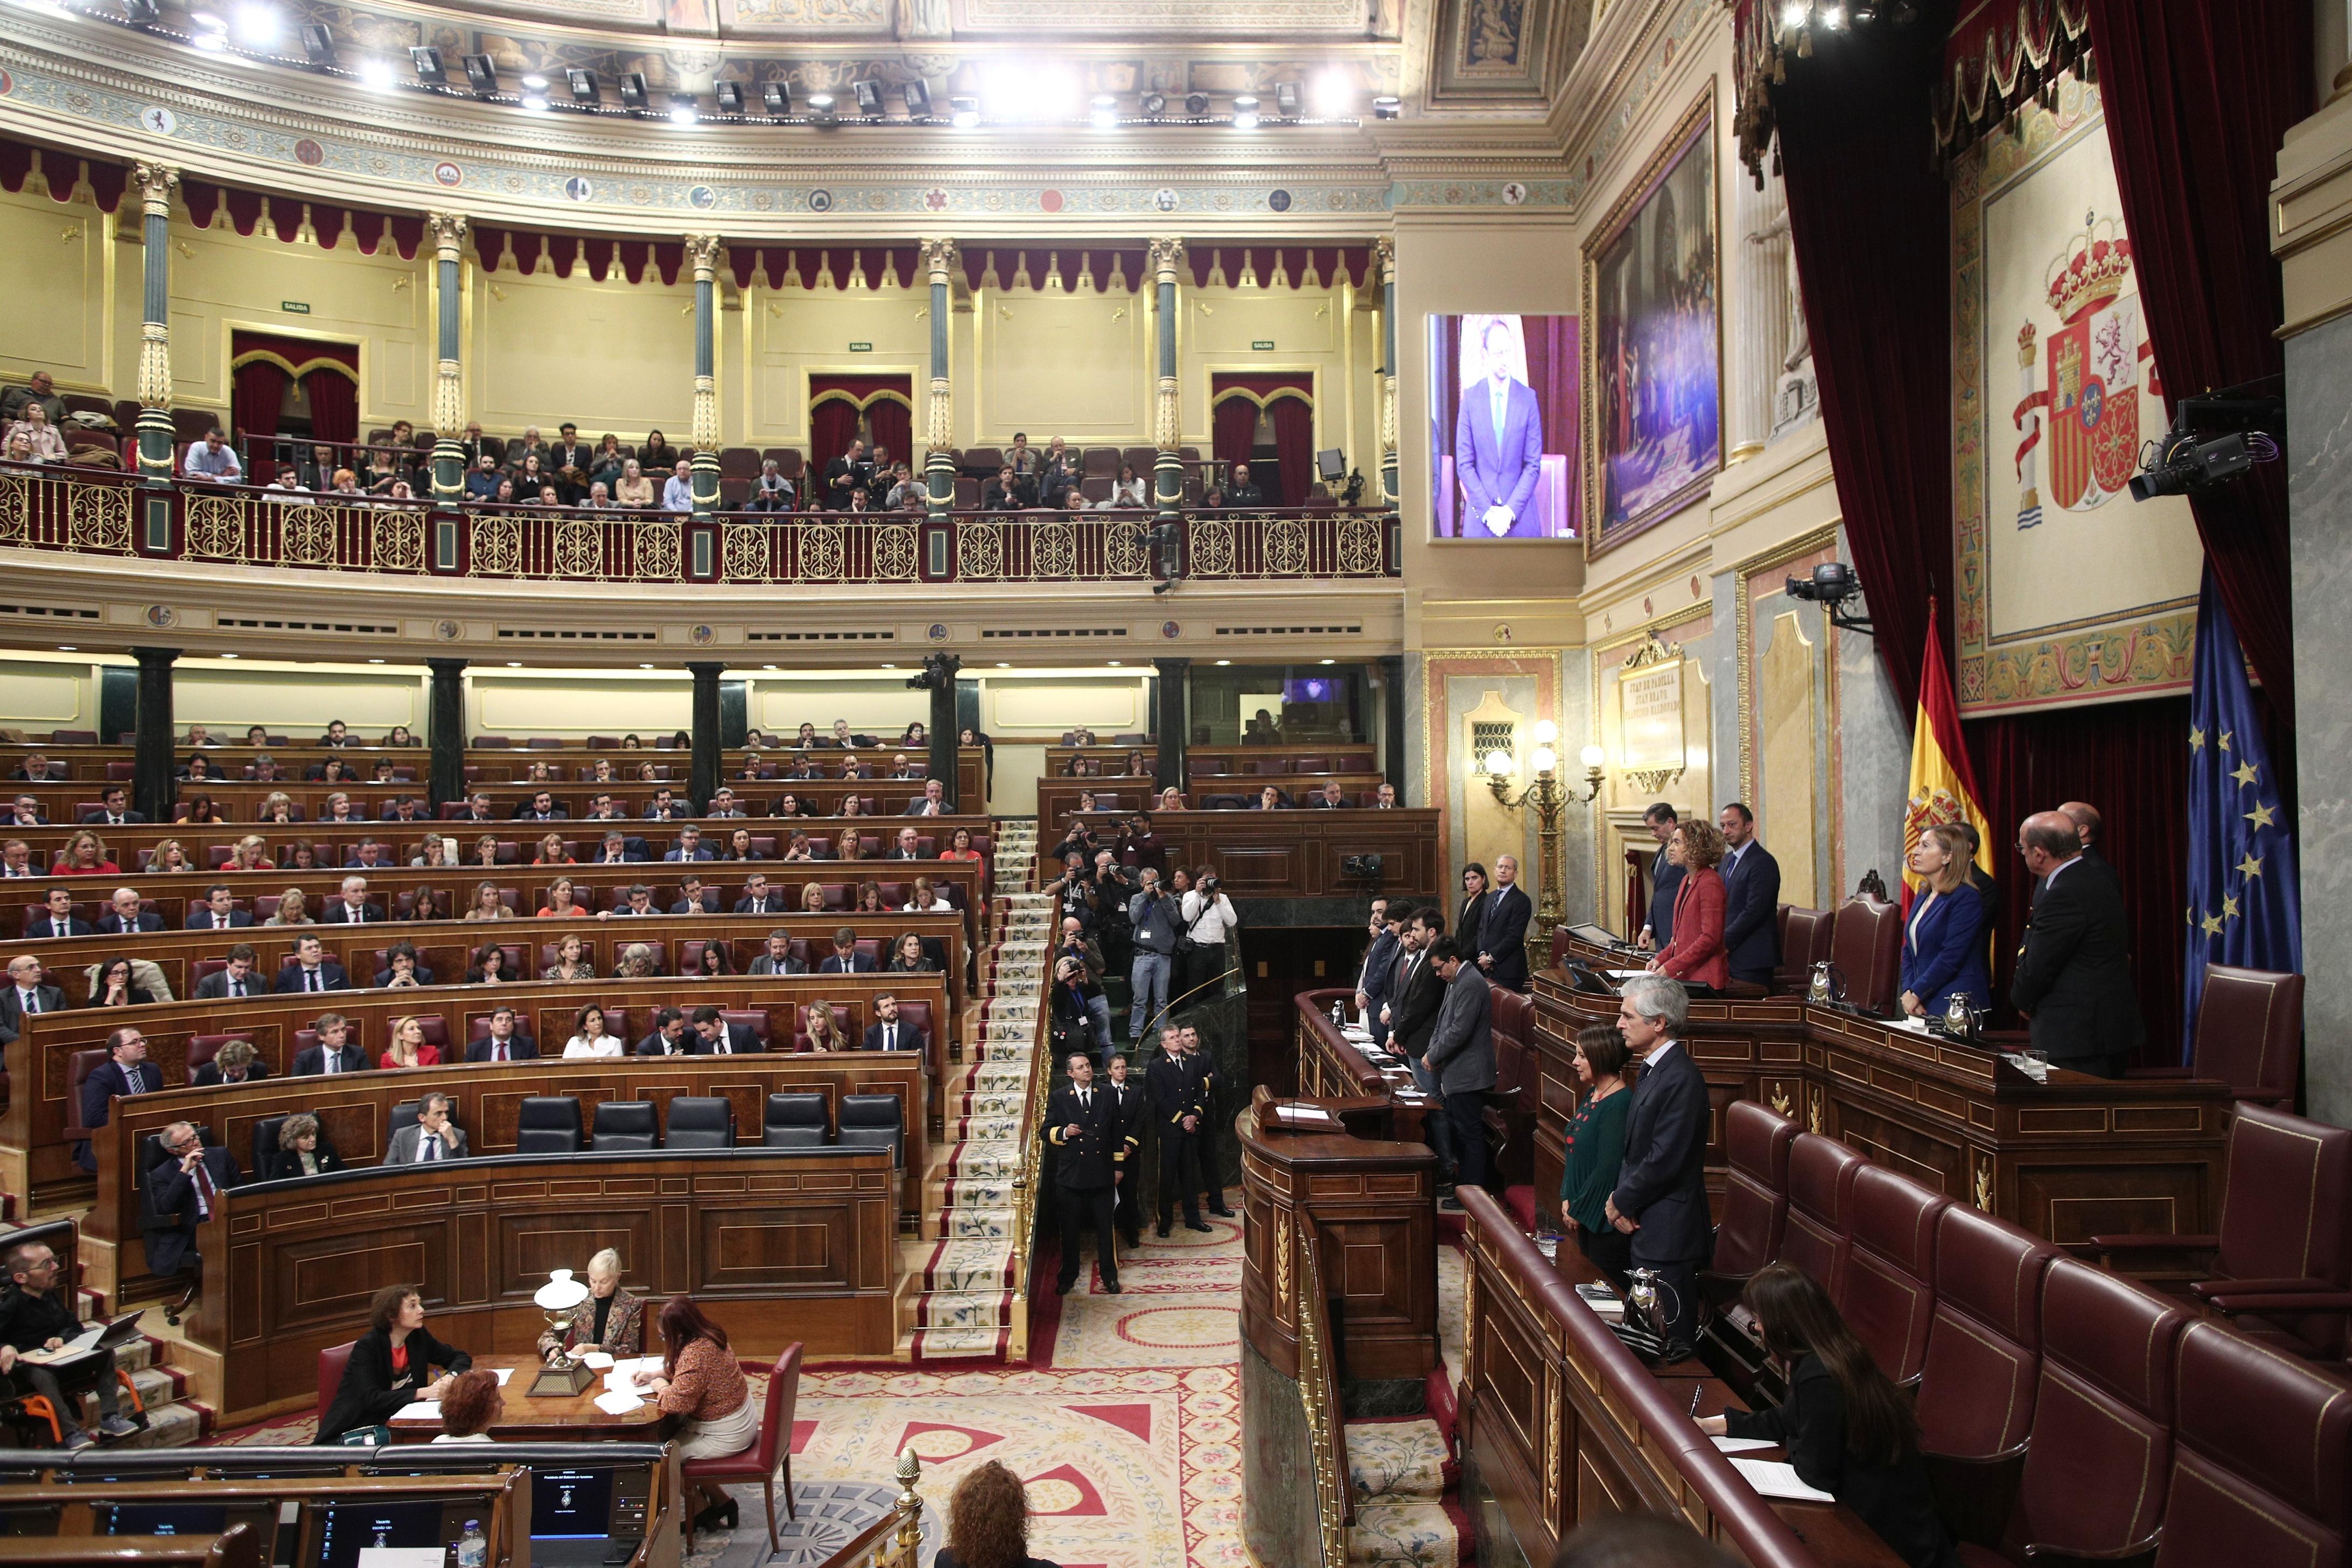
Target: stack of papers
618, 1404
622, 1376
1773, 1478
1741, 1445
420, 1412
596, 1361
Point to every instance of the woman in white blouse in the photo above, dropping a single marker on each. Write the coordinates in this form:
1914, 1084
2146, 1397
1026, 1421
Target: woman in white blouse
589, 1038
1127, 492
927, 899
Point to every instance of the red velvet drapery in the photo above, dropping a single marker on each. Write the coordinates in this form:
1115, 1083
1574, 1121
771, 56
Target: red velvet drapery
2198, 99
882, 404
892, 423
832, 424
257, 392
1294, 446
1233, 431
334, 401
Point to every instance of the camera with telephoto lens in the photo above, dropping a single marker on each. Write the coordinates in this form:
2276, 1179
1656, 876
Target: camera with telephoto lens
1361, 864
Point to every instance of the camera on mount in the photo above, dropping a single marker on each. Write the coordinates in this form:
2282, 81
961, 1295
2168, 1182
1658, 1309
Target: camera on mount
1832, 585
938, 672
1361, 864
2242, 431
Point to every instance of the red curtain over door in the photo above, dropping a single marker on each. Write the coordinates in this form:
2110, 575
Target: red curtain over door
1234, 434
334, 400
1294, 446
881, 404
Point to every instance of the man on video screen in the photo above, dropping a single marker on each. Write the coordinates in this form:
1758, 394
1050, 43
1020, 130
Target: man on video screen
1499, 437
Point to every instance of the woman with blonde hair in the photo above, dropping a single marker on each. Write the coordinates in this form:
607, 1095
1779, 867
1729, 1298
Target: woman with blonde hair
250, 854
611, 1319
1944, 941
293, 909
488, 905
169, 857
638, 963
409, 1047
811, 898
486, 851
988, 1523
551, 852
561, 903
276, 806
824, 1034
571, 961
928, 900
85, 856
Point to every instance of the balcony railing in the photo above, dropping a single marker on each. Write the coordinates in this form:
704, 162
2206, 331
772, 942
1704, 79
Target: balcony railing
96, 512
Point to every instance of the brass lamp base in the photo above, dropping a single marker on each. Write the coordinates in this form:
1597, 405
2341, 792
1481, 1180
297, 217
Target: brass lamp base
566, 1379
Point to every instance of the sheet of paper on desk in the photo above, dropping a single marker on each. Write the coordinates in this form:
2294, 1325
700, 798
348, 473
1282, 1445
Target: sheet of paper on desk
1623, 973
419, 1413
1742, 1444
596, 1361
618, 1404
503, 1372
401, 1557
1773, 1478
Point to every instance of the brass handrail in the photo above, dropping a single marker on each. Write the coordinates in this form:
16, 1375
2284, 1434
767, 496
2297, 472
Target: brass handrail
895, 1540
1319, 1394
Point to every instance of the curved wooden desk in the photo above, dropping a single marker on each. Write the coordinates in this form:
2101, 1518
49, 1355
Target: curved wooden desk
289, 1266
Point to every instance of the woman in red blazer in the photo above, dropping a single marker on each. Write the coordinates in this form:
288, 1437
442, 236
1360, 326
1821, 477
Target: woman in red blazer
1696, 952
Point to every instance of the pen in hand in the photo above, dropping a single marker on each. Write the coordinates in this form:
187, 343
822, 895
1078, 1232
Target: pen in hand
1695, 1394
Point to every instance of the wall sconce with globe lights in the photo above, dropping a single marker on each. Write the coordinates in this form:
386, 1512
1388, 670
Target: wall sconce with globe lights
1549, 796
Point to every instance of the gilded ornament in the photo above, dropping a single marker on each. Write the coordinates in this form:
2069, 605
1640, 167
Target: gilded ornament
744, 555
306, 537
399, 542
894, 553
658, 550
1053, 550
496, 546
821, 552
1212, 547
1126, 553
16, 508
579, 549
980, 550
1286, 547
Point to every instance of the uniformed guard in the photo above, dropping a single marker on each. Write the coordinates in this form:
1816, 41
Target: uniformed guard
1197, 1063
1081, 1123
1127, 1107
1176, 1118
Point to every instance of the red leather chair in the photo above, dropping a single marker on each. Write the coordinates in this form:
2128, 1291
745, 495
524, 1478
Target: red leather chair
1984, 1345
1509, 1115
756, 1020
2281, 1267
2102, 1443
1755, 1197
332, 1362
1804, 942
1821, 1206
2248, 1035
1888, 1294
916, 1015
2261, 1459
1866, 947
765, 1459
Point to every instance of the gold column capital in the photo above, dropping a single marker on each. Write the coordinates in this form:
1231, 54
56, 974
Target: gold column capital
1384, 257
156, 182
450, 231
939, 258
1165, 256
702, 249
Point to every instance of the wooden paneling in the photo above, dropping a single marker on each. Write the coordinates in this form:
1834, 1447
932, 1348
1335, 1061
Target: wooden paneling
1297, 854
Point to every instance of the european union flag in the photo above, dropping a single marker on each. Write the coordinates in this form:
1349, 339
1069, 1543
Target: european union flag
2245, 897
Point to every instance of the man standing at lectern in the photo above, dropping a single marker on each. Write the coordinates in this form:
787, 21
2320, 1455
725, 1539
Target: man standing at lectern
1661, 1197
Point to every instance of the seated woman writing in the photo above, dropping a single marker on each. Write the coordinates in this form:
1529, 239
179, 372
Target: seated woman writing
611, 1319
390, 1367
701, 1380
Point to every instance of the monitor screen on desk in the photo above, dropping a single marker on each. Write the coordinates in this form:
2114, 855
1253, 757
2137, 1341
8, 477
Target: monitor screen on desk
346, 1527
571, 1504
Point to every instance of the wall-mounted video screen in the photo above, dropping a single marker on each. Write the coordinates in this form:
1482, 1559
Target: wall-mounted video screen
1502, 427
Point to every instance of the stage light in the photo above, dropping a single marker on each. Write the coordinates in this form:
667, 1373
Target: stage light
534, 102
632, 89
482, 75
1196, 104
1155, 104
1795, 13
212, 40
1286, 100
584, 87
533, 82
681, 108
870, 97
821, 106
1010, 90
1104, 113
918, 100
778, 98
259, 26
729, 96
1388, 106
964, 113
144, 13
1834, 17
377, 75
429, 69
1245, 112
319, 43
1335, 95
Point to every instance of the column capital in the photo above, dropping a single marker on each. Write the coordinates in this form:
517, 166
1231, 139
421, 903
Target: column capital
939, 258
155, 656
702, 250
1165, 256
1384, 257
450, 231
446, 667
156, 182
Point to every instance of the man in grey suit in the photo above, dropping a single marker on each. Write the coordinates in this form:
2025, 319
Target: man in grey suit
434, 1137
933, 804
1661, 1196
1460, 1057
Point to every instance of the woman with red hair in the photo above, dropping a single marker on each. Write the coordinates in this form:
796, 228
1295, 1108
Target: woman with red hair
701, 1380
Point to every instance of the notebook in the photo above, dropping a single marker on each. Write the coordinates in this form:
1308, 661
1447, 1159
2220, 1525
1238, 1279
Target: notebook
1771, 1478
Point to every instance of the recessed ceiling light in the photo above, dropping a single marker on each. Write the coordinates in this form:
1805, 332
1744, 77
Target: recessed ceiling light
230, 656
1245, 112
533, 80
63, 648
1114, 664
1001, 664
376, 75
767, 667
645, 666
514, 663
1330, 661
963, 112
1335, 94
1104, 112
534, 102
886, 666
1222, 662
259, 26
375, 662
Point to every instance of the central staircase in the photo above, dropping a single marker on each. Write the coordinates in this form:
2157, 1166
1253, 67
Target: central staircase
968, 1274
1407, 1495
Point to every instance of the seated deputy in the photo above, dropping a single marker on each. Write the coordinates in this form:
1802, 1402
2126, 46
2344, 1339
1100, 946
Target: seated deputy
392, 1365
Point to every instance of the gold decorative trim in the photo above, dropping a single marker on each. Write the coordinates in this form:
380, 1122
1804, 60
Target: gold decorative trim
265, 356
1742, 616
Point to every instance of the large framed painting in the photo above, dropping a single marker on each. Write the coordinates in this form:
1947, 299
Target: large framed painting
2066, 589
1653, 343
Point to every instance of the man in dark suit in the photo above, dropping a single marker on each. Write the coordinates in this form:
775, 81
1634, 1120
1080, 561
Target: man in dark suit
1657, 933
1379, 966
125, 1070
311, 970
1751, 909
616, 851
61, 921
1415, 995
1126, 1104
125, 918
889, 1032
1177, 1112
236, 981
2088, 826
113, 810
845, 474
2074, 975
571, 462
219, 912
1089, 1153
1661, 1196
845, 958
25, 812
759, 899
350, 906
1460, 1057
688, 847
506, 1042
185, 1188
1205, 1085
334, 1052
541, 807
669, 1037
778, 957
1503, 928
431, 1137
234, 1063
28, 995
909, 846
715, 1036
1330, 797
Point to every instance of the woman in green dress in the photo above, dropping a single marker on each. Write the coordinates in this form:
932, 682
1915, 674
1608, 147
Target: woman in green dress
1596, 1147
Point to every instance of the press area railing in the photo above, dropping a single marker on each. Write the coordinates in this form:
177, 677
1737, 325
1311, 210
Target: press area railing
96, 511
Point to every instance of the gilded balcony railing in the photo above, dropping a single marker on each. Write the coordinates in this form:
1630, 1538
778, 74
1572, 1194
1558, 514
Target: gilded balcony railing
1318, 1393
99, 511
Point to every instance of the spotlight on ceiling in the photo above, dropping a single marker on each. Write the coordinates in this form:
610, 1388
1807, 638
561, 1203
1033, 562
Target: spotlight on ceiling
584, 85
1388, 106
319, 43
376, 75
821, 108
1245, 112
729, 96
964, 113
212, 38
777, 95
1335, 94
681, 108
1196, 105
1286, 100
533, 82
259, 26
534, 103
482, 75
144, 13
632, 89
918, 100
1155, 104
870, 97
429, 69
1103, 112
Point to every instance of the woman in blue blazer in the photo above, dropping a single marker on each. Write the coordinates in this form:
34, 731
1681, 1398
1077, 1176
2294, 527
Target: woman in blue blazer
1944, 940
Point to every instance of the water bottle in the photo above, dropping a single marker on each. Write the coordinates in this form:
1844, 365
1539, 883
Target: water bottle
473, 1547
1338, 1015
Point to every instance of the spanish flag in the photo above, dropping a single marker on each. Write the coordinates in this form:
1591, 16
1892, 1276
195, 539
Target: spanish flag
1943, 789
